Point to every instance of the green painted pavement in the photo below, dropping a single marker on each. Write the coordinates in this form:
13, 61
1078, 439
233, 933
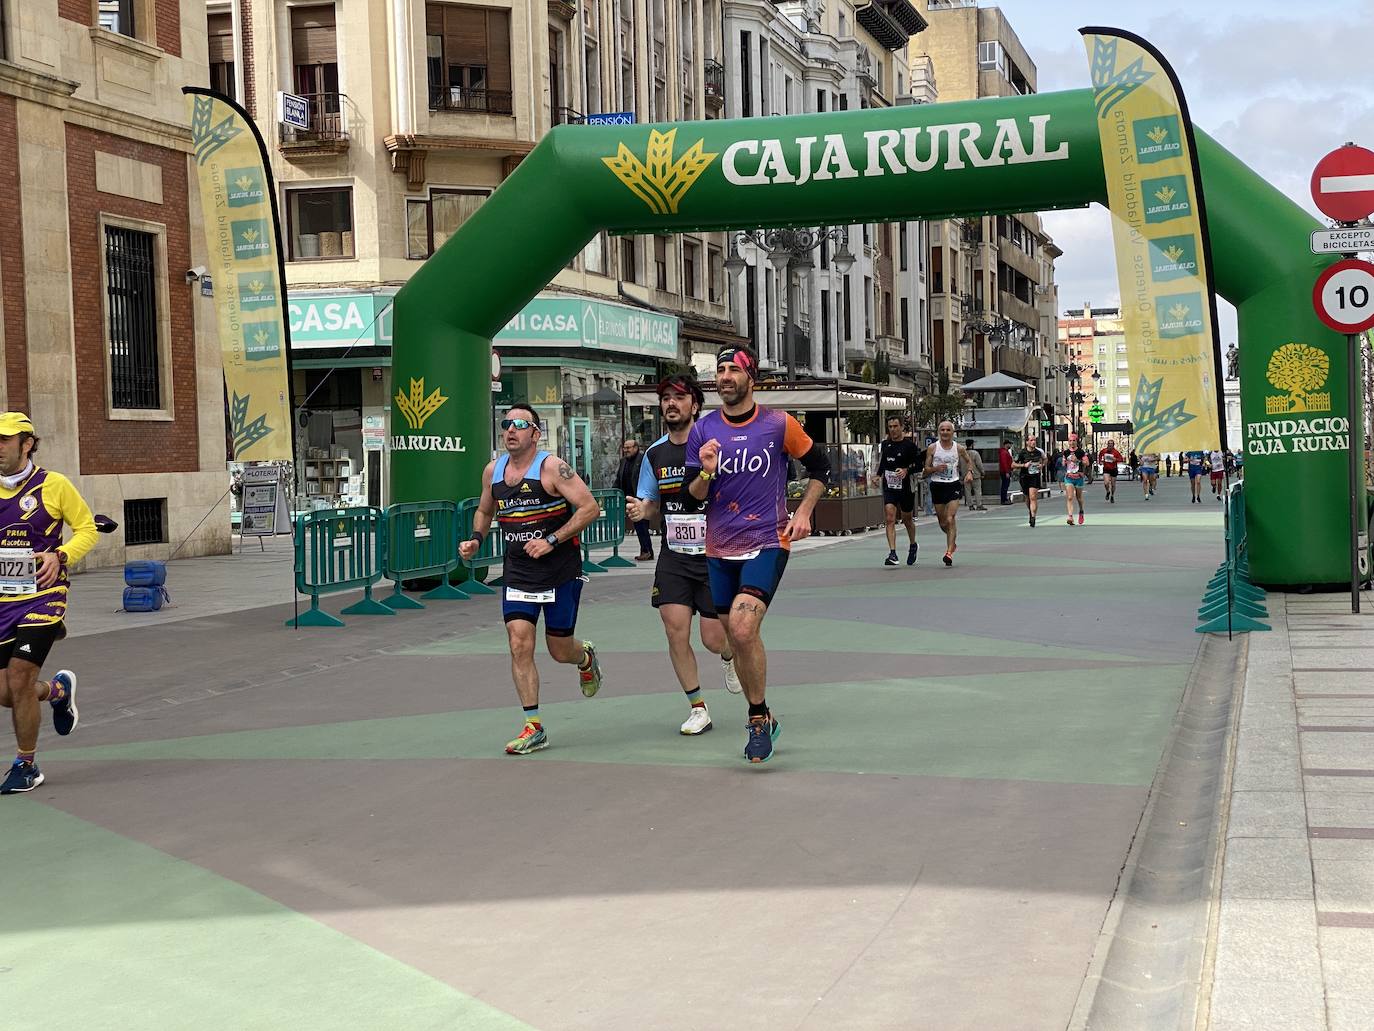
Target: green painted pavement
623, 628
1079, 726
116, 921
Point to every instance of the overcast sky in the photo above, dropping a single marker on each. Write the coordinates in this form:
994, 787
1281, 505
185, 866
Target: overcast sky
1278, 84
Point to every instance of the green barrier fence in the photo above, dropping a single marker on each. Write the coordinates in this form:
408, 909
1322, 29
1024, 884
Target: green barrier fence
1231, 603
609, 528
339, 549
422, 541
491, 553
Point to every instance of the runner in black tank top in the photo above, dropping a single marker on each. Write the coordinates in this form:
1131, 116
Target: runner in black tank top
542, 506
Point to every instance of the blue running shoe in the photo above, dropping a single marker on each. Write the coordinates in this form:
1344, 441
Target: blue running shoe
763, 731
64, 714
24, 776
911, 553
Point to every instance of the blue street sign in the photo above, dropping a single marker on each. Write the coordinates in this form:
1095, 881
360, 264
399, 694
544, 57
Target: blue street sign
612, 118
293, 110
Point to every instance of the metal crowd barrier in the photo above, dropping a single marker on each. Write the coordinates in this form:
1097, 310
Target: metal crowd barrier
491, 553
1231, 603
609, 528
421, 541
339, 549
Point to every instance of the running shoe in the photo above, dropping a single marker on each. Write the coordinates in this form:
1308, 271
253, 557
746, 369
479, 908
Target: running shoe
763, 731
732, 683
64, 714
891, 559
591, 676
1080, 518
698, 722
949, 558
1032, 520
531, 739
1069, 520
911, 553
23, 776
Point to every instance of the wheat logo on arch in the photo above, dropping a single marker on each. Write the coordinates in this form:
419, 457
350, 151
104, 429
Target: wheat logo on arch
1301, 370
417, 407
659, 181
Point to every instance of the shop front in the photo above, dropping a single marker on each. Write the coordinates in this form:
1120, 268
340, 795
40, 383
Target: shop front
570, 357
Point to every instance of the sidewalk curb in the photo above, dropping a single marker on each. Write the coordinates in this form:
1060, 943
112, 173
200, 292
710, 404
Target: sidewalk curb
1149, 964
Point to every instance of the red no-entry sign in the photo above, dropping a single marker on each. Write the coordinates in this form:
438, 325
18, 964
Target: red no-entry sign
1344, 296
1343, 184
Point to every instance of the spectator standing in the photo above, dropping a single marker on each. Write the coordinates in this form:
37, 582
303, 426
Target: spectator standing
1004, 467
627, 481
975, 491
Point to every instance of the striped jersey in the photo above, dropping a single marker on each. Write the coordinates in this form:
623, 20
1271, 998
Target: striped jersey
526, 512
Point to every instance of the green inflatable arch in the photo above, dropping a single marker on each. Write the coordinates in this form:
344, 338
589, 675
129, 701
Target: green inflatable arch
1028, 153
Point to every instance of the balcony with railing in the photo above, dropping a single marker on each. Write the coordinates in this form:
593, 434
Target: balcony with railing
326, 129
467, 98
568, 116
715, 83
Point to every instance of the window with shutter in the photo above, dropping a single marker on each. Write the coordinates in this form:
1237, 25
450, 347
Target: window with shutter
315, 58
469, 65
220, 33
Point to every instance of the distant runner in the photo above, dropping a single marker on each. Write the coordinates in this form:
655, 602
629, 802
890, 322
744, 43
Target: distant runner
897, 460
1195, 476
1075, 475
1032, 462
1111, 460
945, 459
1219, 471
1149, 474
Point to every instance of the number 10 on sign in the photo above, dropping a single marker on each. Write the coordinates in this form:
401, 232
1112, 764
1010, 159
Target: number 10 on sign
1344, 296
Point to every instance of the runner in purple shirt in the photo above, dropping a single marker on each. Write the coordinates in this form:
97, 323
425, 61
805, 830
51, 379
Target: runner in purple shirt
737, 458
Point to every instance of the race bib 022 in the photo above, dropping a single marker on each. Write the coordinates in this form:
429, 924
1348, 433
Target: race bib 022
18, 571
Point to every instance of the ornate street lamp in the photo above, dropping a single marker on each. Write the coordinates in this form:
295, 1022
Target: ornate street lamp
789, 251
1073, 373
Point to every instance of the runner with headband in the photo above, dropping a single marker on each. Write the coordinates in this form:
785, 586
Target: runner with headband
737, 460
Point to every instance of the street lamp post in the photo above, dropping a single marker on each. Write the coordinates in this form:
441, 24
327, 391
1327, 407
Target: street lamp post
789, 251
1073, 373
997, 328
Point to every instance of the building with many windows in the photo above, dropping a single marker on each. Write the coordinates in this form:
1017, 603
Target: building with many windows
806, 57
106, 340
418, 110
1095, 338
988, 275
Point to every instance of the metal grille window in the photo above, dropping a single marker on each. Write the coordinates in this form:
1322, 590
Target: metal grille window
131, 292
145, 521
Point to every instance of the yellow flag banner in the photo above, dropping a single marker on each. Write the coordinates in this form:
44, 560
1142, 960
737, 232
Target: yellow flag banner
245, 247
1163, 258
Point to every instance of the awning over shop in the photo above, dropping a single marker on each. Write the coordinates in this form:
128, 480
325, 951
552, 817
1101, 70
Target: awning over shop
818, 396
990, 419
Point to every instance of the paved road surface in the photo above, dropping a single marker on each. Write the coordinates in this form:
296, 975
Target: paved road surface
264, 828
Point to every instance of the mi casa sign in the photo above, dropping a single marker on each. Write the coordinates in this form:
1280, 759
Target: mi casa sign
922, 148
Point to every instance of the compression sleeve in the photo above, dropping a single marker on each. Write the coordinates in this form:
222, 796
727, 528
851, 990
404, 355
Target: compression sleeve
63, 502
816, 463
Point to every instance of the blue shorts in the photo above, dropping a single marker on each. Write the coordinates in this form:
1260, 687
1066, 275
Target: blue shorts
758, 577
1074, 481
560, 615
1148, 470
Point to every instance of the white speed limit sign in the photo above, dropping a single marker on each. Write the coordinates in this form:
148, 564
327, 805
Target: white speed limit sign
1344, 296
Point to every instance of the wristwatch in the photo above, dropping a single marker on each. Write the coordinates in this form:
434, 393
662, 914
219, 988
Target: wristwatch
61, 557
552, 540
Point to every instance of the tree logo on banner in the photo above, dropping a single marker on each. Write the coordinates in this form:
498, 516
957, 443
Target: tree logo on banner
1110, 86
209, 138
417, 408
1299, 369
246, 433
1150, 423
659, 181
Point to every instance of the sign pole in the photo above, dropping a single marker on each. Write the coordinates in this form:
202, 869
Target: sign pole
1352, 402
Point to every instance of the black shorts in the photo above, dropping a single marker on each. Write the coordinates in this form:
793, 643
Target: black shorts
683, 580
905, 500
944, 493
1109, 472
1027, 482
32, 642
